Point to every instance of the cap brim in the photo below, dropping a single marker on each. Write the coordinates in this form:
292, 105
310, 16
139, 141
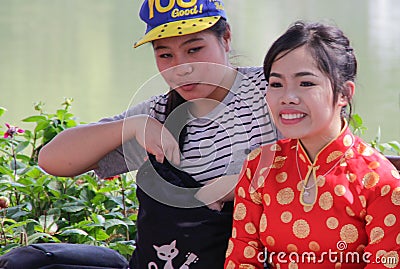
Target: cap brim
178, 28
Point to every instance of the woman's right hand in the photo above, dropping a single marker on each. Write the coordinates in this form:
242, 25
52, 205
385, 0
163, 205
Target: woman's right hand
155, 139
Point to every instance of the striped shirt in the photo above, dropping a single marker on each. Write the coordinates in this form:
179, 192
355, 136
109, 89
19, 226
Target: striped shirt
215, 144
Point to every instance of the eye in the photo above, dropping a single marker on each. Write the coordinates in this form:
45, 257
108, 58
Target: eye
165, 55
307, 84
275, 85
193, 50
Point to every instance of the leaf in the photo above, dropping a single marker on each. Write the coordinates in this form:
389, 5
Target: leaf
35, 119
73, 209
114, 222
36, 236
74, 232
2, 110
21, 146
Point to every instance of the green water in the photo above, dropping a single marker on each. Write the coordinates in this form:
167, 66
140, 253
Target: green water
51, 49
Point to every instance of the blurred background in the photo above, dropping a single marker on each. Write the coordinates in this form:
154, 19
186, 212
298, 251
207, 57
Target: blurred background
82, 49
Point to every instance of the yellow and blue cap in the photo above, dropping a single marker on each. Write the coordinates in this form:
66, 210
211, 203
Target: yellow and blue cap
170, 18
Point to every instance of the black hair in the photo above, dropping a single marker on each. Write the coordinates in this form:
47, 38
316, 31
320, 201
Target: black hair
330, 49
177, 125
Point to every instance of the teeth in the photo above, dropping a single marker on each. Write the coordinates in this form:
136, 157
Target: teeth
292, 116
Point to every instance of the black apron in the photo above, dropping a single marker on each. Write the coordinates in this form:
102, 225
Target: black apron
173, 228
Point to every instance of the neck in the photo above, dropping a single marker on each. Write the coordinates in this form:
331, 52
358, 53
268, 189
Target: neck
313, 145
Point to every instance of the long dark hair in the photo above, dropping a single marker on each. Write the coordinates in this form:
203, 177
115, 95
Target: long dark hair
330, 49
176, 125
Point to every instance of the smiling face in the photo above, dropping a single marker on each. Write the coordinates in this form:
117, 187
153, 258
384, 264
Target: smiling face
195, 65
300, 97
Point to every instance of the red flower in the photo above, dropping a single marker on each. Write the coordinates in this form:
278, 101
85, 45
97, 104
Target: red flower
111, 178
12, 130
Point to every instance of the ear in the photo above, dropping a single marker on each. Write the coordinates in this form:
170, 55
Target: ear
156, 248
227, 38
348, 93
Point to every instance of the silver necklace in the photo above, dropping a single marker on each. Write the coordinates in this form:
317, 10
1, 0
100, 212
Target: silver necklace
306, 189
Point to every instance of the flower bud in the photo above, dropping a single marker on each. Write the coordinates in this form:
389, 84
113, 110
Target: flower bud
4, 202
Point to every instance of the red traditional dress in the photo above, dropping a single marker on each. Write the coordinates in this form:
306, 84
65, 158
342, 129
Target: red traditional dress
353, 222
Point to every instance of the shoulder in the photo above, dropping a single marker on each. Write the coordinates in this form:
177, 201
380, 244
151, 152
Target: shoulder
372, 168
252, 73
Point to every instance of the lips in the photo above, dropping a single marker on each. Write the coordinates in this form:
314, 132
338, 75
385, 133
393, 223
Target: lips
290, 116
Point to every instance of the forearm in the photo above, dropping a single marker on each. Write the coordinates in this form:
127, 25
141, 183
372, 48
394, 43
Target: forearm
78, 150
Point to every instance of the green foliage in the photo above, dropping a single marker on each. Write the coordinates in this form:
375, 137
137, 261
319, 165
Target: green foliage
391, 148
46, 208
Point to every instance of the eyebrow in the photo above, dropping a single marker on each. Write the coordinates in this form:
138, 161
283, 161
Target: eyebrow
192, 40
299, 74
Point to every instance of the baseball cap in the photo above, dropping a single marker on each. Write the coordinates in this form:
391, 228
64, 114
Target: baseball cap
169, 18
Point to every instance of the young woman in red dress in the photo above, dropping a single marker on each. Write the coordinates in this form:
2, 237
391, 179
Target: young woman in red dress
326, 199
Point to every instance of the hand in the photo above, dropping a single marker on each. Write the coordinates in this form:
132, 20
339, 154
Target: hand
217, 191
156, 139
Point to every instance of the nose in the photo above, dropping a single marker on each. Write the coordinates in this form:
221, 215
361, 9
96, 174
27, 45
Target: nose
183, 69
289, 96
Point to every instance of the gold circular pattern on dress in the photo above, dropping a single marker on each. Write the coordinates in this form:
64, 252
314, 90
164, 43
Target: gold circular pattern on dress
395, 174
300, 185
392, 259
256, 197
267, 199
292, 248
368, 219
281, 177
321, 181
279, 162
293, 265
349, 233
347, 140
246, 266
351, 177
365, 150
340, 190
390, 220
230, 265
350, 211
338, 265
326, 201
376, 235
261, 181
385, 190
275, 147
396, 196
253, 244
363, 212
301, 229
334, 156
373, 165
332, 223
398, 239
285, 196
349, 154
363, 200
270, 241
286, 217
263, 223
254, 154
240, 212
248, 173
249, 252
234, 232
241, 192
314, 246
370, 180
229, 249
250, 228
